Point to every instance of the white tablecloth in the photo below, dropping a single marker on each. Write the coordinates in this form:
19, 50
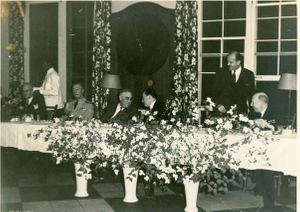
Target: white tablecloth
14, 134
282, 153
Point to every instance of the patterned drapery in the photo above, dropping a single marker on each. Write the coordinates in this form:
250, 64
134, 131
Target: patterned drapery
185, 64
16, 52
101, 54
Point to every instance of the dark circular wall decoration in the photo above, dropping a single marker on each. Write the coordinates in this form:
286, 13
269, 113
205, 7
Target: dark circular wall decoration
143, 41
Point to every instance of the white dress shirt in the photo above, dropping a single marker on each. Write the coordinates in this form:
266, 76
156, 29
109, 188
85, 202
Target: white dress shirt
263, 112
237, 73
51, 89
118, 109
152, 105
29, 100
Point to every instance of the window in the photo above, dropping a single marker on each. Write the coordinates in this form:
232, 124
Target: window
80, 46
265, 31
43, 33
276, 39
223, 30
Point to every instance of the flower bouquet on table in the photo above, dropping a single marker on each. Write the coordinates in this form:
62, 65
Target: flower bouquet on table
79, 141
182, 113
141, 149
10, 108
253, 134
128, 145
200, 158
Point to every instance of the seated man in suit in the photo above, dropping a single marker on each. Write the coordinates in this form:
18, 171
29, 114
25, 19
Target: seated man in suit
149, 99
262, 110
79, 107
264, 179
121, 112
32, 104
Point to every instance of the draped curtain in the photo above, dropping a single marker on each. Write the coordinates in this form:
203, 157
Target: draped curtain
185, 64
16, 48
101, 54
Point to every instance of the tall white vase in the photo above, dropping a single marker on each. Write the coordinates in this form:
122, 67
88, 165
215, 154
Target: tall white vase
81, 183
130, 185
191, 193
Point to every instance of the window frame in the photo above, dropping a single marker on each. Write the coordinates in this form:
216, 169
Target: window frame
62, 40
279, 39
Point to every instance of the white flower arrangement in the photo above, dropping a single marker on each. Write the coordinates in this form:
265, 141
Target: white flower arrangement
78, 141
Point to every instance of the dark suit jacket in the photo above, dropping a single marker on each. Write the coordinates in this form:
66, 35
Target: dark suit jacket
123, 116
37, 101
269, 115
228, 93
160, 108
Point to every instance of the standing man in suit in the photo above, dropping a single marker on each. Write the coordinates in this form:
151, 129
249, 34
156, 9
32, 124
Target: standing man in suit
121, 112
80, 106
149, 99
233, 86
32, 104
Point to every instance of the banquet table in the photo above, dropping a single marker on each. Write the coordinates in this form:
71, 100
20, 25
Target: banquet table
15, 134
282, 152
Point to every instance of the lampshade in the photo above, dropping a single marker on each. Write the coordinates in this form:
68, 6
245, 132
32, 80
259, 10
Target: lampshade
288, 82
111, 81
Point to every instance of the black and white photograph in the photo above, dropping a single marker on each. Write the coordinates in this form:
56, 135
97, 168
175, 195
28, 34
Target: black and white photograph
149, 106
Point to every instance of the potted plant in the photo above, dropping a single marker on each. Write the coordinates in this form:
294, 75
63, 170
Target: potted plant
79, 141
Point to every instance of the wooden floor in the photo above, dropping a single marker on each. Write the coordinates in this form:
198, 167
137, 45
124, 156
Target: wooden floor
26, 185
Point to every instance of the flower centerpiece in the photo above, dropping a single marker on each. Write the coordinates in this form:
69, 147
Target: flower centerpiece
196, 157
79, 141
177, 113
141, 148
9, 108
252, 132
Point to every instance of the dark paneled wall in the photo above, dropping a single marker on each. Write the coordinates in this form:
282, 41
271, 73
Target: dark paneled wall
142, 49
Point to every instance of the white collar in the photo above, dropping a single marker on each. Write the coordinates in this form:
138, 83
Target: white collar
152, 105
50, 70
81, 99
119, 107
237, 73
29, 100
263, 112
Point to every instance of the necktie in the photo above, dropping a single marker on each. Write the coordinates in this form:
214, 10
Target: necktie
234, 76
75, 105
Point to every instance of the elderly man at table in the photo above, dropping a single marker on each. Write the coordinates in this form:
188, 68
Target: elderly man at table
79, 107
32, 103
262, 110
264, 179
233, 85
121, 112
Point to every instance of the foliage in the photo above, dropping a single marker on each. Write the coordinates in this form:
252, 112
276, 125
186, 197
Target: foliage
175, 113
9, 108
79, 141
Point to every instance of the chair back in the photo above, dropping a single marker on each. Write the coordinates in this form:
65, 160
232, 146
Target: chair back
51, 112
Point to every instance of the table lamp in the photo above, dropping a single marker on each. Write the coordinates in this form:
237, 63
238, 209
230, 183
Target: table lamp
288, 82
111, 81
